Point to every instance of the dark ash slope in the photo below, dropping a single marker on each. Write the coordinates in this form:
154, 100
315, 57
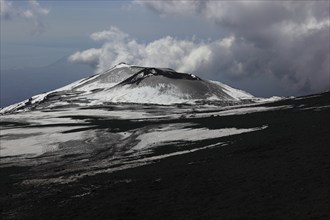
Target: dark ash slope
281, 172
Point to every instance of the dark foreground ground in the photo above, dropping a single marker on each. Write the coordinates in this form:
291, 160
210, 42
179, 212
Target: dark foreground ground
282, 172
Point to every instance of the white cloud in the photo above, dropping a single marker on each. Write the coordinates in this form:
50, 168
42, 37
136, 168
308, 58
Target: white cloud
90, 57
6, 9
288, 39
37, 8
231, 57
182, 55
282, 39
113, 34
32, 12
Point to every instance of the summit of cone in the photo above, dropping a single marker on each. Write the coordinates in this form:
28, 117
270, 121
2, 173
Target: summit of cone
134, 84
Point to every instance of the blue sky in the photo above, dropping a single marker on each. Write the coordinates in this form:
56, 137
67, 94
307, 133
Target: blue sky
67, 28
267, 48
69, 24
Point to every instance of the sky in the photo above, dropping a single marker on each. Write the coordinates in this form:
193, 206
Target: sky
267, 48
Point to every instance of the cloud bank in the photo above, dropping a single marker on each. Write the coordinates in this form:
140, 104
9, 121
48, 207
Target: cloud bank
182, 55
33, 12
282, 39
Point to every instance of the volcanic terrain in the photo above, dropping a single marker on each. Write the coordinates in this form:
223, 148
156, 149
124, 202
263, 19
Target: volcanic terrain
150, 143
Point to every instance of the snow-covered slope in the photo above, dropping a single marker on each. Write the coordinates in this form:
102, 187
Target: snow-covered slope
134, 84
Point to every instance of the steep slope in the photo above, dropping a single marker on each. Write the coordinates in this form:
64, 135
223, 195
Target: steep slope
134, 84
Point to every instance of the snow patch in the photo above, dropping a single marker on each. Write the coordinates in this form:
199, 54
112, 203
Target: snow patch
36, 141
158, 137
235, 93
248, 110
145, 94
121, 65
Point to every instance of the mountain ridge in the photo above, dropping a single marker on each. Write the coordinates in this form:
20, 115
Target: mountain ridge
135, 84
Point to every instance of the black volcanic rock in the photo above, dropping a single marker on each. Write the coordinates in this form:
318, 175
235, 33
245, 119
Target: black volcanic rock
194, 167
149, 72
